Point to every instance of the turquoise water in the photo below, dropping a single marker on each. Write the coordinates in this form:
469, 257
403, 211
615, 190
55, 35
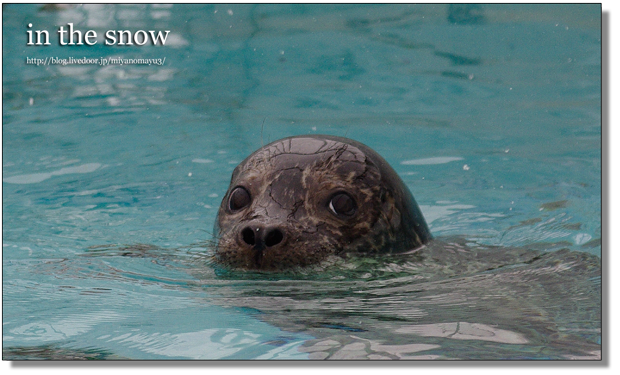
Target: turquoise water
112, 176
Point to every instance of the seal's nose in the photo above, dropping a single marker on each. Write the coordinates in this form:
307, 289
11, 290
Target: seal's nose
260, 237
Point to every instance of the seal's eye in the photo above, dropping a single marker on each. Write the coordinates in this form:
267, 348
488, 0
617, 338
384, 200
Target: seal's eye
239, 198
342, 204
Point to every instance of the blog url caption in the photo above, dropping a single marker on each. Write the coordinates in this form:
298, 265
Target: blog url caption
103, 61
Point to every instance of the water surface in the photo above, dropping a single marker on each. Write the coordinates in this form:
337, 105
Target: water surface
112, 176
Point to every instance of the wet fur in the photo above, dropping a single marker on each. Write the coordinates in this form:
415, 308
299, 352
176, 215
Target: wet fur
291, 182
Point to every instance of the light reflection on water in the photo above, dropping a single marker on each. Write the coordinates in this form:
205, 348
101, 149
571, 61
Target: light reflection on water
449, 300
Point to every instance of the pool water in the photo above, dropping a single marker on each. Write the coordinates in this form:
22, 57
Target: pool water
112, 176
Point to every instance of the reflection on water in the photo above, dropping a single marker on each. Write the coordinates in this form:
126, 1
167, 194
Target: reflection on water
465, 331
128, 303
449, 300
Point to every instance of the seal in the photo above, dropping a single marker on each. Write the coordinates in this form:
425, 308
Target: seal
295, 201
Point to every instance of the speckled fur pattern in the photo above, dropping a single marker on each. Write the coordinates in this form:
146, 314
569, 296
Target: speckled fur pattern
291, 182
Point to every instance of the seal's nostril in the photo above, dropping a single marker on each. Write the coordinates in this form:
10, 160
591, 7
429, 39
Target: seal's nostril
248, 236
273, 237
259, 237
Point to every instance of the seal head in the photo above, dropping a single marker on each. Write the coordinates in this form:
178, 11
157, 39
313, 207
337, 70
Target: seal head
300, 199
